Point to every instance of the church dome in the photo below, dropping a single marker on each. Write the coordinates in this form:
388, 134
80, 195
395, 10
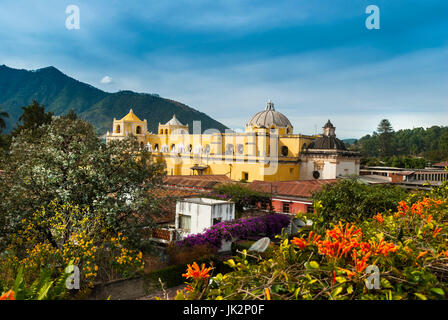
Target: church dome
328, 139
268, 118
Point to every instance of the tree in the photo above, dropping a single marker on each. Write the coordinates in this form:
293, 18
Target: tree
385, 138
70, 164
352, 200
3, 115
3, 138
33, 117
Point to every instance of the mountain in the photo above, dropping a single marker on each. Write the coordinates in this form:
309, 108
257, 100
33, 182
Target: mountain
60, 93
349, 141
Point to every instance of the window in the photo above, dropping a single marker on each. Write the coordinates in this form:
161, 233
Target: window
142, 145
139, 130
166, 131
284, 151
216, 220
310, 209
173, 146
229, 149
161, 131
156, 147
286, 207
118, 129
245, 176
184, 222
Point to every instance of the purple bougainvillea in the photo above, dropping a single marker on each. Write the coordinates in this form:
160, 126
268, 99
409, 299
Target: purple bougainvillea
268, 225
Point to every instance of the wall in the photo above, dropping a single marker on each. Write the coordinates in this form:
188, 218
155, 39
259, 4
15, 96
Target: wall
294, 207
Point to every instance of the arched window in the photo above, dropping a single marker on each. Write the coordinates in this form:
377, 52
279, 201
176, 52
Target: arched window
139, 130
173, 146
118, 129
156, 147
161, 131
304, 146
166, 131
229, 149
190, 148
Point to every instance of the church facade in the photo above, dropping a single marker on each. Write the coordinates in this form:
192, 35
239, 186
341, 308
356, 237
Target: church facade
268, 150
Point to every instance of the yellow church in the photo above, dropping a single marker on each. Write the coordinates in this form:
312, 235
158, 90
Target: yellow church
268, 150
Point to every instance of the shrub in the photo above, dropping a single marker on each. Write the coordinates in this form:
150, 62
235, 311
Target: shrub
408, 245
269, 225
184, 254
350, 200
60, 235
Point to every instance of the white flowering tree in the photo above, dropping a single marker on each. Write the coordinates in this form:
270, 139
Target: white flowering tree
66, 161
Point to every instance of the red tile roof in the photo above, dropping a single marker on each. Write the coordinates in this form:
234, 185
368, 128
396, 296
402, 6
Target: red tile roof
196, 182
295, 188
441, 164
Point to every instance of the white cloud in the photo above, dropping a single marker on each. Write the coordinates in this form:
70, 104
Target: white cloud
106, 80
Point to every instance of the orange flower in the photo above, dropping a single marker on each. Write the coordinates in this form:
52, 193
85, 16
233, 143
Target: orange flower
10, 295
402, 208
188, 288
407, 249
381, 248
445, 253
349, 273
421, 254
267, 293
341, 241
379, 218
417, 208
429, 219
436, 232
313, 240
360, 265
197, 273
300, 242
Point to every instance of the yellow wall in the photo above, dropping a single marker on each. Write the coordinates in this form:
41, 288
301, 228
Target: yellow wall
257, 147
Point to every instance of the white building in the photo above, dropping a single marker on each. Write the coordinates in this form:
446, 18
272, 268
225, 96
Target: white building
195, 215
327, 158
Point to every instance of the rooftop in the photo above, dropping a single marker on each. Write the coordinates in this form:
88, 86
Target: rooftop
294, 188
205, 201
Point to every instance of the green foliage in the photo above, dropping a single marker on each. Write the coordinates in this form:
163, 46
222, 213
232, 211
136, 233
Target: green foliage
32, 118
430, 143
351, 200
45, 287
70, 164
61, 93
242, 195
171, 276
385, 137
408, 245
3, 115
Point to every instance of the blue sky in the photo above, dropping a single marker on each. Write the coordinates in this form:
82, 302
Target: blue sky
314, 59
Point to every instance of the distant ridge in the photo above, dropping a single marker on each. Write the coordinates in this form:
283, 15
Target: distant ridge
60, 93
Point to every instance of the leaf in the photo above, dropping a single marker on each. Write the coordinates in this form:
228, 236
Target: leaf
438, 291
337, 291
44, 290
314, 265
421, 296
350, 289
